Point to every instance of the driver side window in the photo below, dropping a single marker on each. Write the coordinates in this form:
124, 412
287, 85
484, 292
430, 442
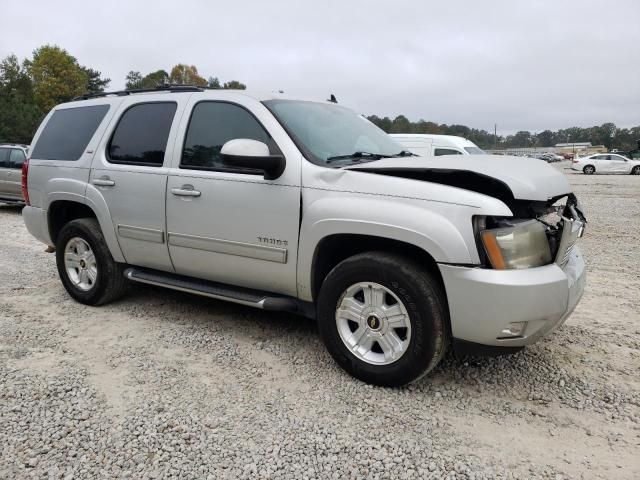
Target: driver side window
213, 124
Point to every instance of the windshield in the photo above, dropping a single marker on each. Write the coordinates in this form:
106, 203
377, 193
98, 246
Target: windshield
330, 134
474, 151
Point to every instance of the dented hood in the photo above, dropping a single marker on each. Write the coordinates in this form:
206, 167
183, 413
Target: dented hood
526, 178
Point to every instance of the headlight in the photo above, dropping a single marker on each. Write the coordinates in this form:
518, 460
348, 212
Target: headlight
521, 244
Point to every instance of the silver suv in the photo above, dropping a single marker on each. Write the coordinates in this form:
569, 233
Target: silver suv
303, 206
12, 157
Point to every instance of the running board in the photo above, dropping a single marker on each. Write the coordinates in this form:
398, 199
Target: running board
219, 291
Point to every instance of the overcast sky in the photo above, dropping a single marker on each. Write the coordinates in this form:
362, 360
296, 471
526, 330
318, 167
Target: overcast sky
525, 65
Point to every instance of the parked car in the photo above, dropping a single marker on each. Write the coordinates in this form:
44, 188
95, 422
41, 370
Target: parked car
426, 145
12, 156
306, 207
606, 163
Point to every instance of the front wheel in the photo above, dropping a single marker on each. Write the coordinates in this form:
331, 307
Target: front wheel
589, 170
383, 319
85, 265
635, 170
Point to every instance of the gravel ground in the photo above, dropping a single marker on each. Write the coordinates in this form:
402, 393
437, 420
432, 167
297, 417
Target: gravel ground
163, 384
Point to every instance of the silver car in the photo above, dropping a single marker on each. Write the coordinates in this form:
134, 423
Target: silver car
12, 157
286, 204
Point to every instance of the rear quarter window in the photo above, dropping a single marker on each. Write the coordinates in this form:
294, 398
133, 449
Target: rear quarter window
68, 132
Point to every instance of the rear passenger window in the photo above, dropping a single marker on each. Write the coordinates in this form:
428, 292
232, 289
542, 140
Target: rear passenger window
142, 134
446, 151
213, 124
4, 158
68, 132
16, 158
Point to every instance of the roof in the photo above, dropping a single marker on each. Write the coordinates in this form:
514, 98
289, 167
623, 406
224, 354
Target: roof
181, 89
574, 144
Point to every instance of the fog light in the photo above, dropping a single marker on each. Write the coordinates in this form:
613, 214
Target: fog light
515, 329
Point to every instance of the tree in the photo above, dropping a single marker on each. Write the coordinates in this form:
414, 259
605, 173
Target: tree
133, 80
234, 85
182, 74
56, 76
213, 82
19, 114
155, 79
95, 82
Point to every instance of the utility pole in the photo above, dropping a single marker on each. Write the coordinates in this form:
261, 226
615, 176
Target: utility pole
495, 136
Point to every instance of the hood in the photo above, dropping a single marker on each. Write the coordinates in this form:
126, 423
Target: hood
503, 177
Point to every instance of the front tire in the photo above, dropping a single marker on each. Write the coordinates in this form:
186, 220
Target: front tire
384, 320
635, 170
86, 268
589, 170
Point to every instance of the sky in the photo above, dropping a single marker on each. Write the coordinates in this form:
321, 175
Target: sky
523, 65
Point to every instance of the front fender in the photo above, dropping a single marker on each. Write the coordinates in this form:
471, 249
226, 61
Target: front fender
444, 232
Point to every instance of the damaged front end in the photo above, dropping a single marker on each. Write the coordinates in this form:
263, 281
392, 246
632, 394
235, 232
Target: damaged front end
538, 234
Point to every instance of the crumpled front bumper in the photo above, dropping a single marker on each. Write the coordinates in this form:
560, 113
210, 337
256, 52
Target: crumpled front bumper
483, 302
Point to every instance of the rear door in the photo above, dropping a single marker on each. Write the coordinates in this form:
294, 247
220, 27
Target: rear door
16, 159
602, 163
130, 172
5, 170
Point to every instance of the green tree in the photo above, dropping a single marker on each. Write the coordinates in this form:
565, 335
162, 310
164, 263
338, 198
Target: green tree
133, 80
19, 114
182, 74
234, 85
95, 82
213, 82
56, 76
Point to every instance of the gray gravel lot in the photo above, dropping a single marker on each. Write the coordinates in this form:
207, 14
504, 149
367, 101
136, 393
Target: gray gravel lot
163, 384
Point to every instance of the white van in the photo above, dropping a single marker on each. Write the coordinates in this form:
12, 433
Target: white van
427, 145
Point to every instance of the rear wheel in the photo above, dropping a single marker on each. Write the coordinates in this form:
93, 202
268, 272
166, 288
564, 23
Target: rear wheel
383, 319
589, 170
85, 265
635, 170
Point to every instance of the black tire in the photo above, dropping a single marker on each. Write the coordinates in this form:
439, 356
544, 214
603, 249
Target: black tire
635, 170
423, 297
110, 282
589, 170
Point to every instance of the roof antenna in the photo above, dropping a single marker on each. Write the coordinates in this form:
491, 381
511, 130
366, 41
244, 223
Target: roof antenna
333, 99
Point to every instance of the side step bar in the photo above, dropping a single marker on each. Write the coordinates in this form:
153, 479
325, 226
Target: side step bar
219, 291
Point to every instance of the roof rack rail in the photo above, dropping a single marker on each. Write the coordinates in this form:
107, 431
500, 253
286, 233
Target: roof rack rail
159, 88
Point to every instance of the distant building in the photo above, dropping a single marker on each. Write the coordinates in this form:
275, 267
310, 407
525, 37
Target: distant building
583, 148
579, 148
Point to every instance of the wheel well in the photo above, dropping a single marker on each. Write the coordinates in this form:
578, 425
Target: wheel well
335, 248
62, 212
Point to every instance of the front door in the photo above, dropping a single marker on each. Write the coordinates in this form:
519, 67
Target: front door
131, 177
232, 226
619, 164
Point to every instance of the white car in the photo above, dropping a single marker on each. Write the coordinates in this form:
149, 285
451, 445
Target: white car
427, 145
606, 163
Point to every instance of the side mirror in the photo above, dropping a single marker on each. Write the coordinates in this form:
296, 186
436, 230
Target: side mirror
252, 155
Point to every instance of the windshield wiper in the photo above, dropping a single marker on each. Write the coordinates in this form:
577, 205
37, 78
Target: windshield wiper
366, 155
404, 153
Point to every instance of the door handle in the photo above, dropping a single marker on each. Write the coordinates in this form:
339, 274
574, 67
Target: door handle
185, 191
103, 182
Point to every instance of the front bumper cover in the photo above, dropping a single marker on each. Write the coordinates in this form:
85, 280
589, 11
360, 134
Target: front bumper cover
482, 302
